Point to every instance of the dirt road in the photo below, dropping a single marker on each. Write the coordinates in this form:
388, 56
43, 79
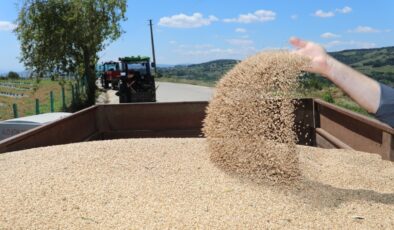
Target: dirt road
167, 92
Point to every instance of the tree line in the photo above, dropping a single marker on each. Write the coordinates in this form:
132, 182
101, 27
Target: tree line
10, 75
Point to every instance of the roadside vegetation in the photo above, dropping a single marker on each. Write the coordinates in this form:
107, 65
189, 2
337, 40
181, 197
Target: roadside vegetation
63, 38
59, 39
32, 90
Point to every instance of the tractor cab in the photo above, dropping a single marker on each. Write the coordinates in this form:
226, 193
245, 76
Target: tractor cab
136, 83
110, 74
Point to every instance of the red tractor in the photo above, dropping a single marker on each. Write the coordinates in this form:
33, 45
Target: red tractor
111, 74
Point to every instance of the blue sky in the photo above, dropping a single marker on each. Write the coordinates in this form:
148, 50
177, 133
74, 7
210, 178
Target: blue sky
193, 31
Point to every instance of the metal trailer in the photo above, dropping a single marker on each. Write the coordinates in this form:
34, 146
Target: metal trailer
11, 127
323, 125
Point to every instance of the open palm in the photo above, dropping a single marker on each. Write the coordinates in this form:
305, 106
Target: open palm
317, 54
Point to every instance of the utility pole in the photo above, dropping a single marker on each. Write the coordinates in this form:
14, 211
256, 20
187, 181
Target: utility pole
153, 46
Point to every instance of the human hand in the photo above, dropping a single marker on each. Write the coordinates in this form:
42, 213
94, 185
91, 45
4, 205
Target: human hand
317, 54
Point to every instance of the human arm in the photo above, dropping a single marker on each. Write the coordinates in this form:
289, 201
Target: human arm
362, 89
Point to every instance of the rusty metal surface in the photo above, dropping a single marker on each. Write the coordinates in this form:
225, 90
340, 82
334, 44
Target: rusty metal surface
74, 128
304, 122
332, 140
153, 117
183, 119
318, 124
150, 134
358, 118
115, 121
322, 142
357, 131
365, 138
388, 146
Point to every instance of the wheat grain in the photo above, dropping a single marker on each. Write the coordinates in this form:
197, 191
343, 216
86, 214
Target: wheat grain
250, 119
171, 183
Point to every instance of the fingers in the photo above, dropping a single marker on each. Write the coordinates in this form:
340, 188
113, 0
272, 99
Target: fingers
298, 43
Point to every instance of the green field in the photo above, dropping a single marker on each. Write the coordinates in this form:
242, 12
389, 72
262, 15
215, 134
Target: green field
32, 91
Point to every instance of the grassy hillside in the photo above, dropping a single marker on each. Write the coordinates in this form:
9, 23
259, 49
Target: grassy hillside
377, 63
209, 71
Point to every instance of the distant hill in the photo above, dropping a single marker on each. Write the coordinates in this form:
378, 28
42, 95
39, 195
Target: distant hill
164, 65
377, 63
208, 71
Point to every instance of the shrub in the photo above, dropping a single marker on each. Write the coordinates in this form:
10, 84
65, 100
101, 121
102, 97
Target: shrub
327, 96
13, 75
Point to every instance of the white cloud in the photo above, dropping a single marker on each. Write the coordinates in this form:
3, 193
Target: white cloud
350, 44
329, 35
186, 21
257, 16
344, 10
322, 14
208, 52
217, 53
240, 42
294, 17
240, 30
204, 52
202, 46
7, 26
328, 14
173, 42
276, 48
194, 46
364, 29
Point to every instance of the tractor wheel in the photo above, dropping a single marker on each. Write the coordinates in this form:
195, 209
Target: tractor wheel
114, 85
122, 98
106, 84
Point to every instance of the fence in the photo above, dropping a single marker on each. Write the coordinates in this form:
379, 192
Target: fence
75, 94
56, 102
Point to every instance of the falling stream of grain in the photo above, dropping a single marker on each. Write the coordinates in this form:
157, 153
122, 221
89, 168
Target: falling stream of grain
249, 122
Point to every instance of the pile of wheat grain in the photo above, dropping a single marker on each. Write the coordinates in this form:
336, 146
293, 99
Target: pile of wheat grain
171, 183
250, 119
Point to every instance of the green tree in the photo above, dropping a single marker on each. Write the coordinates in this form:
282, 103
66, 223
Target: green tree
64, 36
13, 75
